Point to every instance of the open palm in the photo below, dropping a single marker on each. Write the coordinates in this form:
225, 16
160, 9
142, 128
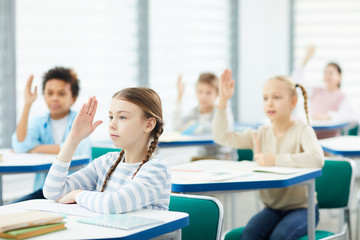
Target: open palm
30, 97
83, 124
226, 85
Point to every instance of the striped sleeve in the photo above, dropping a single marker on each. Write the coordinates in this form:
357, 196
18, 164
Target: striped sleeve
57, 183
150, 188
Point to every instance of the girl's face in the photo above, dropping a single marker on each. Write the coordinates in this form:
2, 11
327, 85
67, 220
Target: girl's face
128, 126
278, 103
58, 98
332, 77
206, 95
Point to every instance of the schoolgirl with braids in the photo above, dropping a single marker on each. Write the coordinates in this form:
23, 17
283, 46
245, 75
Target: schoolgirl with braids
285, 142
116, 182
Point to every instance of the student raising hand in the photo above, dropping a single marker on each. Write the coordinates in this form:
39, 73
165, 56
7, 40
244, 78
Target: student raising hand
226, 87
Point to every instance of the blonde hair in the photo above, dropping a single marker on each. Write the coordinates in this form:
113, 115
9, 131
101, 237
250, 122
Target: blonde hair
149, 101
210, 79
292, 90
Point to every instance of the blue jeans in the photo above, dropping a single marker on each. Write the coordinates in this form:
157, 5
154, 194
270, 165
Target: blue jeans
35, 195
277, 224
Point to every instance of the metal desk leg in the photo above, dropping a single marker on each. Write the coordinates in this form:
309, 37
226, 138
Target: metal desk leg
311, 210
1, 191
176, 235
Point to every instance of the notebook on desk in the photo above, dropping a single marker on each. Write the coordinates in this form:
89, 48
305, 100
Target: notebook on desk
120, 221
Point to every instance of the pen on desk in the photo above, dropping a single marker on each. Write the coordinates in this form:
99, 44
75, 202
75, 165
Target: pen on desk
257, 146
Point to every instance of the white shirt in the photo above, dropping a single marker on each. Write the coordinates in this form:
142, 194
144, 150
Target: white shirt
58, 129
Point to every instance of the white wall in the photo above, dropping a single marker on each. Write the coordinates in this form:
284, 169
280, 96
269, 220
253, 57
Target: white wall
264, 51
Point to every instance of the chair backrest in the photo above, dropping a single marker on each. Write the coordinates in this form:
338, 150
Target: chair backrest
99, 151
245, 154
334, 187
205, 216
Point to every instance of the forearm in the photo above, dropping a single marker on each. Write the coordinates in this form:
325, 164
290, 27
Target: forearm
46, 148
21, 129
228, 138
68, 149
222, 102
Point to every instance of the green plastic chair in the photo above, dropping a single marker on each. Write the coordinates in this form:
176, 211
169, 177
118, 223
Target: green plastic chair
334, 191
352, 130
99, 151
206, 216
245, 154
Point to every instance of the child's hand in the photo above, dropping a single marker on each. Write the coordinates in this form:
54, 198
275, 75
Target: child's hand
180, 88
30, 97
83, 124
265, 160
69, 197
226, 88
309, 53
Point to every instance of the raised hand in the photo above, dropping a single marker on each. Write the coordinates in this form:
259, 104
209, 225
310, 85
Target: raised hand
226, 87
83, 124
309, 53
30, 97
180, 88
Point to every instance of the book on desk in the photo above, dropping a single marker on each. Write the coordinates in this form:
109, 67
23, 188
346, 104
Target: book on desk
120, 221
29, 223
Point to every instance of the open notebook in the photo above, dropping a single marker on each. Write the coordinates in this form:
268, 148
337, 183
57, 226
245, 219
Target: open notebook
120, 221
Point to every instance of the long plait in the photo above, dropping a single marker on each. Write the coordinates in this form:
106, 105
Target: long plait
304, 93
152, 147
112, 169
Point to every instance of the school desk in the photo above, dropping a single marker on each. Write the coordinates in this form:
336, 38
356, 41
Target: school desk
16, 163
216, 176
169, 140
172, 221
347, 146
324, 125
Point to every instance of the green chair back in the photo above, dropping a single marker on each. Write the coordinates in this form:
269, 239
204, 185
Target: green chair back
205, 216
333, 191
99, 151
245, 154
333, 187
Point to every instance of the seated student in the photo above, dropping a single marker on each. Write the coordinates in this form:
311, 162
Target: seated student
46, 133
329, 102
285, 143
116, 182
199, 119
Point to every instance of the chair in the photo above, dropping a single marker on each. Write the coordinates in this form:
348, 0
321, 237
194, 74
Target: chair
206, 216
245, 154
99, 151
334, 191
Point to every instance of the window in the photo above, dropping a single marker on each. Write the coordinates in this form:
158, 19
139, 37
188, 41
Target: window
334, 27
96, 38
187, 37
106, 41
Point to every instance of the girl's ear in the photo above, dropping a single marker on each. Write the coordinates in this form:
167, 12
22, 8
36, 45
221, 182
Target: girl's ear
293, 102
150, 124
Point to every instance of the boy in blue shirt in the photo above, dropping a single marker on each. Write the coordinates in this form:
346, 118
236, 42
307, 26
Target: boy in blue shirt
46, 133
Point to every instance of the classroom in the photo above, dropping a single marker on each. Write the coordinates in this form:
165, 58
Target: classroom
237, 119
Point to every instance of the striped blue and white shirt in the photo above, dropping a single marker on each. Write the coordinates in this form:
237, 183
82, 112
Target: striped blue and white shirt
149, 189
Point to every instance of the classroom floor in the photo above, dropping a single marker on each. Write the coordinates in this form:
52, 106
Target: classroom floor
247, 203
